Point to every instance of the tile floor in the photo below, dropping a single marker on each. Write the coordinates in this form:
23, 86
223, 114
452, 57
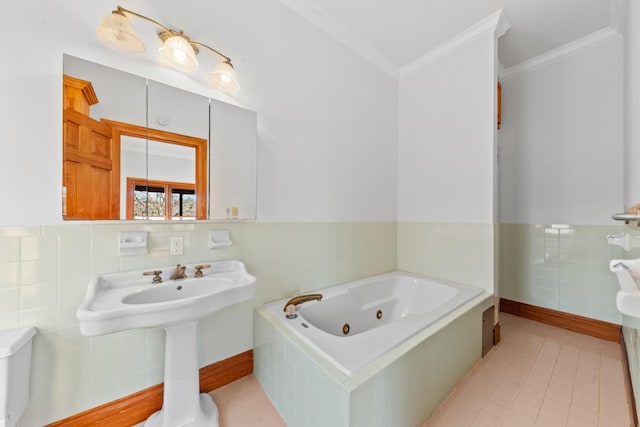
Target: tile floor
243, 403
538, 375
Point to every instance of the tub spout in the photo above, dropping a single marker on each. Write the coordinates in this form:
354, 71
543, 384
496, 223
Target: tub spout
302, 299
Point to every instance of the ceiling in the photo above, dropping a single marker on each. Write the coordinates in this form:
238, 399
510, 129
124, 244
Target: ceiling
396, 33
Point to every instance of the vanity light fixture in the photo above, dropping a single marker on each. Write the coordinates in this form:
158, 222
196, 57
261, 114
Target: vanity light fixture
177, 50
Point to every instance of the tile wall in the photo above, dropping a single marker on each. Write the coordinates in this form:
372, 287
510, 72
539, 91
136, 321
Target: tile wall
45, 271
561, 267
297, 381
462, 253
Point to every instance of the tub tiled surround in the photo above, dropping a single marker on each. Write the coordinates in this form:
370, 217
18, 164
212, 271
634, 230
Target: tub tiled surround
401, 388
45, 271
561, 267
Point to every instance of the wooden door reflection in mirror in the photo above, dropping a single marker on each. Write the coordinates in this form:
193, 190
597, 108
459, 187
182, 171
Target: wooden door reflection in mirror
91, 161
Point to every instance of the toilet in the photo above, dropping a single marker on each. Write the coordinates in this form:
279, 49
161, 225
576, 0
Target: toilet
15, 367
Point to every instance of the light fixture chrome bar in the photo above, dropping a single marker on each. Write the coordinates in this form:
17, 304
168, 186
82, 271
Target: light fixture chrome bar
178, 49
122, 11
168, 32
226, 58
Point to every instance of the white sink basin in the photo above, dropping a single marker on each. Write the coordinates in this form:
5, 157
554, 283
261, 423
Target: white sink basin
121, 301
628, 303
178, 290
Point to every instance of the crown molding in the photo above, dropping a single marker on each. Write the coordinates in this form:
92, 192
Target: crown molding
343, 35
497, 23
559, 53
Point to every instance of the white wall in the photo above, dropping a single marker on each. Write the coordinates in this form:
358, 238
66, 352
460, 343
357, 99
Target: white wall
631, 104
446, 165
561, 140
327, 119
446, 138
561, 175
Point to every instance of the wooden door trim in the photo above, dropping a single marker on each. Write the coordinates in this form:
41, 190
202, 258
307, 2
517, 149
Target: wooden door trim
199, 144
135, 408
573, 322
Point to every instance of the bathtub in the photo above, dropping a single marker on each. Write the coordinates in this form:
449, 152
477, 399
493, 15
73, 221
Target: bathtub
357, 322
409, 341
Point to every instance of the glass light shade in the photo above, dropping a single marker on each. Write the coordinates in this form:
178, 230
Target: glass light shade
177, 52
224, 77
116, 31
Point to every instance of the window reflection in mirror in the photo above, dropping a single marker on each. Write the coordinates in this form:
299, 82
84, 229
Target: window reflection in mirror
160, 174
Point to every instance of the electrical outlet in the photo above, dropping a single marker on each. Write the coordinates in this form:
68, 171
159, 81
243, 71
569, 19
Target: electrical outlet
176, 246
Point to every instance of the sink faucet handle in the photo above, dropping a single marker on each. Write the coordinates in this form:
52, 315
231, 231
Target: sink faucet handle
199, 269
156, 274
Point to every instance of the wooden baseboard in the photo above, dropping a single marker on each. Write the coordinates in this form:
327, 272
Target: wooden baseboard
633, 412
584, 325
137, 407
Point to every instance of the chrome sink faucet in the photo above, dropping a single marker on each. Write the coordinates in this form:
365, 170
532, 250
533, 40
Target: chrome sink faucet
179, 273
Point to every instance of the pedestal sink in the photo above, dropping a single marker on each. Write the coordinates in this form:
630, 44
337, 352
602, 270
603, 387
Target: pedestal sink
123, 301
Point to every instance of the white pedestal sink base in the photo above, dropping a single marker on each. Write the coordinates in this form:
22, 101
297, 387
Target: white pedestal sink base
207, 416
182, 404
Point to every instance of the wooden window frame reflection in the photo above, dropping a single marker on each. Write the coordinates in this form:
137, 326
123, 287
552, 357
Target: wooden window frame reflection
199, 144
168, 186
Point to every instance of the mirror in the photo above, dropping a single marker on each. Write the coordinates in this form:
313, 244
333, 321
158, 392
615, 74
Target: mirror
233, 163
134, 148
169, 170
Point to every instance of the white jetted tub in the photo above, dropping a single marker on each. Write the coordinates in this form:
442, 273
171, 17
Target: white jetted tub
378, 352
357, 322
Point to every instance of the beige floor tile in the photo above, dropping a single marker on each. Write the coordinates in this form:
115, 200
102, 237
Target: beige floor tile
525, 410
540, 375
513, 419
259, 413
243, 403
